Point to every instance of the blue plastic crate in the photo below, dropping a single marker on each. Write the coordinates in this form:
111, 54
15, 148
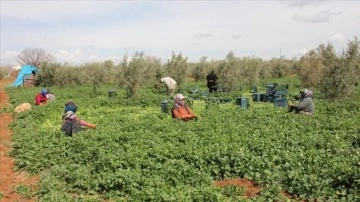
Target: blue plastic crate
257, 97
270, 89
280, 102
265, 98
242, 102
280, 93
164, 106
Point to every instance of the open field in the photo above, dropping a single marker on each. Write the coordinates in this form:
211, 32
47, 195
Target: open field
139, 153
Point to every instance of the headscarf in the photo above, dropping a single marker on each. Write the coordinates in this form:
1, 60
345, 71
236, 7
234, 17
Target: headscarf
177, 100
70, 106
43, 91
307, 93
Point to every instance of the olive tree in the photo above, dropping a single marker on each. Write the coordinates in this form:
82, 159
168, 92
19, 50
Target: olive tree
98, 73
140, 71
249, 70
50, 73
177, 68
312, 68
342, 73
200, 69
229, 72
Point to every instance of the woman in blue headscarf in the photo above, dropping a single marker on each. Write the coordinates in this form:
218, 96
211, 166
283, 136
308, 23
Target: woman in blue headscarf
306, 105
71, 123
40, 98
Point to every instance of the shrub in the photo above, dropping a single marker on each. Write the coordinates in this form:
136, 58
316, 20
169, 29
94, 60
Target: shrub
229, 71
312, 68
236, 72
342, 73
3, 73
201, 69
140, 71
177, 68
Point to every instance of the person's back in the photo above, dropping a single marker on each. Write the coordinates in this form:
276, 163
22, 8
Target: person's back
50, 96
211, 81
211, 77
170, 84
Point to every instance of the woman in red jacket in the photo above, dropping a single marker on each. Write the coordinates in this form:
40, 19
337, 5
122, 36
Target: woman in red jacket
41, 98
181, 110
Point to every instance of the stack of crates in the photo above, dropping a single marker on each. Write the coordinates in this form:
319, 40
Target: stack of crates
270, 92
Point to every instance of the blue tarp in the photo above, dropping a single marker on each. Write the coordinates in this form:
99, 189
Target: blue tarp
26, 70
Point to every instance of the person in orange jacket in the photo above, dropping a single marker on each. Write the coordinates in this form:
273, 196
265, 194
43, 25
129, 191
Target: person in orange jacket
181, 110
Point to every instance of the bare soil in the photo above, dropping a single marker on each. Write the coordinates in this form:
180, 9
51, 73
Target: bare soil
9, 178
251, 188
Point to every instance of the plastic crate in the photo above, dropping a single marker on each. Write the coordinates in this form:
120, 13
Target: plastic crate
280, 102
257, 97
164, 106
280, 93
265, 98
270, 89
242, 102
111, 93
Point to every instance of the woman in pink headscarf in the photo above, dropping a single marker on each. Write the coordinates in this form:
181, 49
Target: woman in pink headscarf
181, 110
306, 105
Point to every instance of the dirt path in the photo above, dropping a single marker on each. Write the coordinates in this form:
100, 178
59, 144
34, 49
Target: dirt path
9, 179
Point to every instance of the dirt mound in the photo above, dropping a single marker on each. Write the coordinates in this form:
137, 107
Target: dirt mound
251, 188
23, 107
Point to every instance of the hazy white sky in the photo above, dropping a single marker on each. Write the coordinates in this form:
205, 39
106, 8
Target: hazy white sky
85, 31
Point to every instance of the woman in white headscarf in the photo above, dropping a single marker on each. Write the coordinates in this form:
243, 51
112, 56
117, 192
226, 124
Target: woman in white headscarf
306, 105
181, 110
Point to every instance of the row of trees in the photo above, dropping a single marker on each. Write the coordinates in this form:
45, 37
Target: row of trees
233, 72
334, 74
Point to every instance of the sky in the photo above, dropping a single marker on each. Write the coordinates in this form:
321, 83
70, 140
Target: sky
82, 31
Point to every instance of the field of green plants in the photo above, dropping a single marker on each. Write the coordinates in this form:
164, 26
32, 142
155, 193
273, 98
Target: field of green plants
139, 153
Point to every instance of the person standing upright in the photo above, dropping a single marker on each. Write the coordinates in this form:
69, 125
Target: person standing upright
211, 79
